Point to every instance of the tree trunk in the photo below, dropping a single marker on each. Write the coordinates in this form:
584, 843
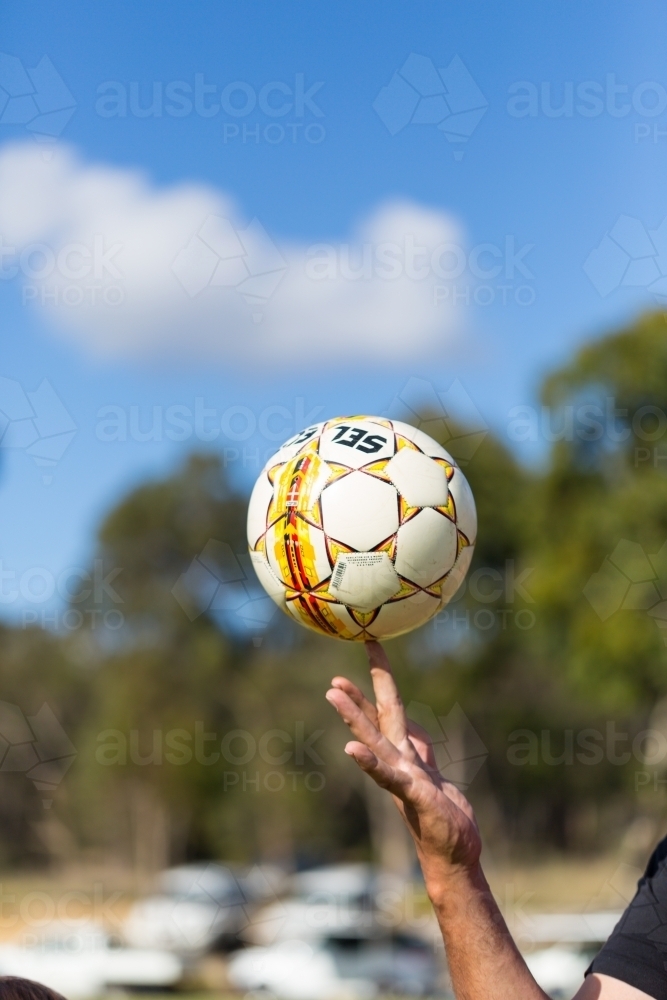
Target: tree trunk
393, 849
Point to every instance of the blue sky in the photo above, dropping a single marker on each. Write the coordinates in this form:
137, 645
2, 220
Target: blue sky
334, 175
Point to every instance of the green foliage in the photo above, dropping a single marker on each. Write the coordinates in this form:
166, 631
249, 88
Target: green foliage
536, 649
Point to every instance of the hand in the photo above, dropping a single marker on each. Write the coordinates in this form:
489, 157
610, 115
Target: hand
398, 755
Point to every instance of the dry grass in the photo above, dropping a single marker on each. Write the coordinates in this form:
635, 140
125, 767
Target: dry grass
566, 884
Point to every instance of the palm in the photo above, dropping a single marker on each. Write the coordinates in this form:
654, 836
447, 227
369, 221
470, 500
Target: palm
398, 755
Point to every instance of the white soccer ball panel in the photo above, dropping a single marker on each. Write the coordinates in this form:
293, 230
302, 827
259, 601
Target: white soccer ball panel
359, 511
422, 440
466, 513
419, 480
457, 575
258, 509
340, 612
356, 442
402, 616
426, 547
313, 556
268, 579
363, 580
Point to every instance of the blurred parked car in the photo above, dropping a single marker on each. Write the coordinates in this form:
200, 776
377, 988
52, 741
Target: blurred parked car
563, 946
198, 907
79, 960
353, 885
332, 965
326, 941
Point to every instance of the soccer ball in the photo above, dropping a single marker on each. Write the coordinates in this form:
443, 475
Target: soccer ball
361, 527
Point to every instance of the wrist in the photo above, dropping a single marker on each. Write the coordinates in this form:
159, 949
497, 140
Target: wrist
446, 882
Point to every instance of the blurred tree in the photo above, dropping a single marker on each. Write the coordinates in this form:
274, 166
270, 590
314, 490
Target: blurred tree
596, 659
251, 777
35, 672
606, 488
195, 737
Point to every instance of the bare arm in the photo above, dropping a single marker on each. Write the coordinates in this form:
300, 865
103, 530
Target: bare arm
484, 962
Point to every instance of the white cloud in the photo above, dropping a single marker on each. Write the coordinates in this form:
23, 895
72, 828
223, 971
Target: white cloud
128, 270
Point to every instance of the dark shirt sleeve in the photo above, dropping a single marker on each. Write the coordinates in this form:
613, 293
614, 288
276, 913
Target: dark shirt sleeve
636, 952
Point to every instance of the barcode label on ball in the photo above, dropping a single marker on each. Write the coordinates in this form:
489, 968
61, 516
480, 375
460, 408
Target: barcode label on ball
354, 559
365, 558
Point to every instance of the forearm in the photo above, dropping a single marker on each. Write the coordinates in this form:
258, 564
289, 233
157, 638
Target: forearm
484, 962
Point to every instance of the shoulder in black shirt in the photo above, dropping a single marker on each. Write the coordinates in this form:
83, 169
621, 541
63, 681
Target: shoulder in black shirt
636, 952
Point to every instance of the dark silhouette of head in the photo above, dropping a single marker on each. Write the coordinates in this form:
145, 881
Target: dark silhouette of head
15, 988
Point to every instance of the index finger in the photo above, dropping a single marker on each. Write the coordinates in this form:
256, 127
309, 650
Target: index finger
391, 713
362, 727
358, 697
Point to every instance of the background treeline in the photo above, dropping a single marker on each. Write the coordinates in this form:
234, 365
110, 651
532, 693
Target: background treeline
555, 653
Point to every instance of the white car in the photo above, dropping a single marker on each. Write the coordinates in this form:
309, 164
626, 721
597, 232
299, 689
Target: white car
571, 939
77, 959
559, 970
328, 967
197, 907
327, 941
